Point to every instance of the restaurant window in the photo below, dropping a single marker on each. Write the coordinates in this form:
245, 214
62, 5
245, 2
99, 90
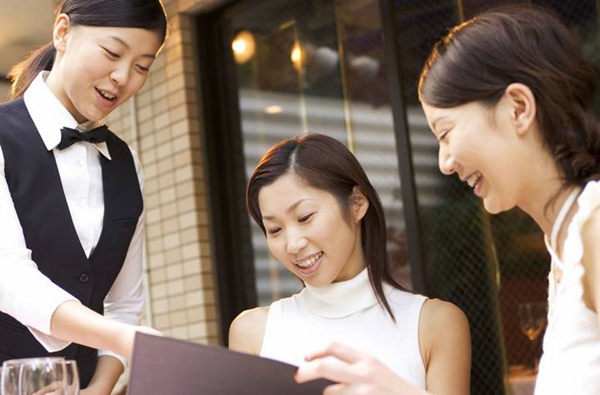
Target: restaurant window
314, 66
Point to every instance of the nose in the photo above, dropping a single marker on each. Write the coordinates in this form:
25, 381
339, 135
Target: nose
120, 75
446, 161
295, 242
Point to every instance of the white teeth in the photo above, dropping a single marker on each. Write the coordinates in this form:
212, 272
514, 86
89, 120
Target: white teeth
107, 95
472, 180
310, 261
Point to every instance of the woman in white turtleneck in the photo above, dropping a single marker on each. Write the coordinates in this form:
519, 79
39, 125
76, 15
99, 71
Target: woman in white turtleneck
323, 220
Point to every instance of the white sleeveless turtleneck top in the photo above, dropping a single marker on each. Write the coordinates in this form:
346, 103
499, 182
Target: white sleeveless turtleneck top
570, 363
348, 313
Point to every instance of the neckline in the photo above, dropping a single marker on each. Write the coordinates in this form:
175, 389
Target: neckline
49, 115
558, 222
342, 299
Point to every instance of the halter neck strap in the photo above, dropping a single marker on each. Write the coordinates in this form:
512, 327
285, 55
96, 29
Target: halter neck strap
560, 218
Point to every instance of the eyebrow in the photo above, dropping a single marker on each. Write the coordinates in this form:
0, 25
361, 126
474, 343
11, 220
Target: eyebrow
293, 206
433, 124
120, 40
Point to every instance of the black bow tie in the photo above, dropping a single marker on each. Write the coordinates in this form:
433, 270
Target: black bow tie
71, 136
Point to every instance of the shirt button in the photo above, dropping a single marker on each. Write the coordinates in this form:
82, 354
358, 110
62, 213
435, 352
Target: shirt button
80, 163
84, 278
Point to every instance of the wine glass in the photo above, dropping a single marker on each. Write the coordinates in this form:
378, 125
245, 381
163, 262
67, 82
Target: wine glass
43, 376
9, 381
72, 377
532, 321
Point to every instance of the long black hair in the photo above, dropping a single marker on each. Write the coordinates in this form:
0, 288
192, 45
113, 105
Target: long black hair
143, 14
326, 164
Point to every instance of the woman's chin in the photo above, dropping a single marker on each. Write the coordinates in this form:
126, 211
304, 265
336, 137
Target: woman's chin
493, 207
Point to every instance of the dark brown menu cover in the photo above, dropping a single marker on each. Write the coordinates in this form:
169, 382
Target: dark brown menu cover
164, 366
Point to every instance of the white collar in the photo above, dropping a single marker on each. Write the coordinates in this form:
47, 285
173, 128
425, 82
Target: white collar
344, 298
50, 116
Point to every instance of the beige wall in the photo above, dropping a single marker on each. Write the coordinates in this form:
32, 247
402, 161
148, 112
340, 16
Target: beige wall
162, 123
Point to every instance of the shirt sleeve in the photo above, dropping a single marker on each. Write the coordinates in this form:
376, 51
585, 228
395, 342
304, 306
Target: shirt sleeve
125, 300
25, 293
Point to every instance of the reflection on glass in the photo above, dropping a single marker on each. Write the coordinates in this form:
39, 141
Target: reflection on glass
532, 321
243, 47
73, 385
297, 56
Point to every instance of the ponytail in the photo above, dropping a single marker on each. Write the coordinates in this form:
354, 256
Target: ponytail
24, 72
143, 14
578, 151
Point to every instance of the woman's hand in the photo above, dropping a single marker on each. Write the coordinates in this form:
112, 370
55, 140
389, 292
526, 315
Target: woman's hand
94, 390
126, 341
355, 373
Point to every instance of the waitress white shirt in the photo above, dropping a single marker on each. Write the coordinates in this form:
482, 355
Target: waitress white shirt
27, 294
571, 360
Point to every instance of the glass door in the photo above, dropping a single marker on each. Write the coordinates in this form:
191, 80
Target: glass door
315, 66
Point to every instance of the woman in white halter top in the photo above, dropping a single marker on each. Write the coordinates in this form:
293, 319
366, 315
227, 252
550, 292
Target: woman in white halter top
509, 95
323, 220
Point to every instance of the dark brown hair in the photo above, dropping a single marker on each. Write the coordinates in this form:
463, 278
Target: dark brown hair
326, 164
478, 59
143, 14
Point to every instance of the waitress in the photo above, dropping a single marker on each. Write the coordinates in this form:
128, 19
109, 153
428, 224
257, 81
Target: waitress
71, 207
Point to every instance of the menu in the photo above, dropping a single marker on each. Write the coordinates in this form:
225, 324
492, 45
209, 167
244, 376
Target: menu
166, 366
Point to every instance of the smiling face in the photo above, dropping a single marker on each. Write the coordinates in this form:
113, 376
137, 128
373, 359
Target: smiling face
482, 146
307, 231
98, 68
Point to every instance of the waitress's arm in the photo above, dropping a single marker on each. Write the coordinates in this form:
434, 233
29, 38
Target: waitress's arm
123, 303
79, 324
108, 371
54, 317
25, 293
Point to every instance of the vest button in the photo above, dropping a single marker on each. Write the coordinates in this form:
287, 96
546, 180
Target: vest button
84, 278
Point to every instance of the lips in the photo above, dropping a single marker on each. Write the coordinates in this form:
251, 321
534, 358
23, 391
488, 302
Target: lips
310, 261
473, 179
108, 95
311, 264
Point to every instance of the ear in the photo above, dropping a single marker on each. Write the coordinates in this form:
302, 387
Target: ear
522, 106
60, 33
359, 204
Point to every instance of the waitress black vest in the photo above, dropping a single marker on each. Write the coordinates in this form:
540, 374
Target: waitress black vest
40, 203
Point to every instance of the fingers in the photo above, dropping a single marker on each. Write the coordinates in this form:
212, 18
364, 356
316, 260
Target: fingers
51, 389
337, 389
340, 351
330, 368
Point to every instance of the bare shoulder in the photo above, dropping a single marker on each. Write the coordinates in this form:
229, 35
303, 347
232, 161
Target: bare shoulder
591, 231
590, 236
437, 312
442, 325
247, 330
